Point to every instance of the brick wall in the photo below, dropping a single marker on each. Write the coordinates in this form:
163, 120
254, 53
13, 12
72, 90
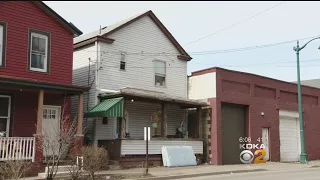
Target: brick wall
266, 95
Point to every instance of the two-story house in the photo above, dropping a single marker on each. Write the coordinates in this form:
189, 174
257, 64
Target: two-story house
36, 57
138, 77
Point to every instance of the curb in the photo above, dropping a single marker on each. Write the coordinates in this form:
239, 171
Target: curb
202, 174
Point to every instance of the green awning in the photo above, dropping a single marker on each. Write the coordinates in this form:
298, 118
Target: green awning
107, 108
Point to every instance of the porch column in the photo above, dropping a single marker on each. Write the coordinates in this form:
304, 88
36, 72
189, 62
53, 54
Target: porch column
164, 131
123, 122
78, 142
80, 115
199, 117
38, 136
40, 112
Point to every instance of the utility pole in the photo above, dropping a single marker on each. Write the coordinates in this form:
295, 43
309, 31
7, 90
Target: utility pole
303, 155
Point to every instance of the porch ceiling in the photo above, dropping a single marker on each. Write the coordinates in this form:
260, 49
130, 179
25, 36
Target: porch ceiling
155, 96
12, 82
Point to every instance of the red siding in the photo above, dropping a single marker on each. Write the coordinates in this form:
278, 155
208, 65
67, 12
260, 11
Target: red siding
274, 96
25, 106
20, 16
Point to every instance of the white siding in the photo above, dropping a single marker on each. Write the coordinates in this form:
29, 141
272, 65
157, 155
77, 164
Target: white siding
136, 147
141, 36
139, 115
202, 86
104, 131
80, 78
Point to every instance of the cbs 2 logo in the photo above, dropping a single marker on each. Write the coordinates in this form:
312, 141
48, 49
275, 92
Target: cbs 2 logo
247, 156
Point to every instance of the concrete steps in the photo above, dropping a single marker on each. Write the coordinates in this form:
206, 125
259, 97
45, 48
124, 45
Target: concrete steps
62, 172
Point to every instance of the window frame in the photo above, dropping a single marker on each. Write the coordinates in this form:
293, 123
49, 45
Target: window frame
123, 61
8, 117
4, 44
46, 35
157, 74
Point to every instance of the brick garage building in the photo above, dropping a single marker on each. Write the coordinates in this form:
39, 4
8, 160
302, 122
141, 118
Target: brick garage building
249, 105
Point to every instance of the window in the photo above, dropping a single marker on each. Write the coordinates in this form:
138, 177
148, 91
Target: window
160, 73
123, 61
49, 113
2, 43
105, 120
39, 51
4, 115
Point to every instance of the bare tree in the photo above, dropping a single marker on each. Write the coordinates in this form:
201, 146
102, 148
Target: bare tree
14, 169
94, 159
56, 142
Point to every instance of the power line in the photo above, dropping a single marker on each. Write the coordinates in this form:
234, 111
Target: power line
239, 22
115, 64
143, 53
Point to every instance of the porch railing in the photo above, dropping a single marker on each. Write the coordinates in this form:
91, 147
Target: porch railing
17, 148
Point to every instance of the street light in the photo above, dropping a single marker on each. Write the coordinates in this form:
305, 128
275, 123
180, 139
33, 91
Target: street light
303, 155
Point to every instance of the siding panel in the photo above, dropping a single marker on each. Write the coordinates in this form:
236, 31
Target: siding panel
80, 78
21, 16
141, 36
136, 147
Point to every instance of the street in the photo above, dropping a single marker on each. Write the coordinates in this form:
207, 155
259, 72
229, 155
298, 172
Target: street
305, 174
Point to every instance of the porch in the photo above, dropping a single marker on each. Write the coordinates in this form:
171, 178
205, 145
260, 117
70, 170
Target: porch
27, 108
121, 117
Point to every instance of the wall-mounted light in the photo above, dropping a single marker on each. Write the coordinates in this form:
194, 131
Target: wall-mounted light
132, 100
262, 113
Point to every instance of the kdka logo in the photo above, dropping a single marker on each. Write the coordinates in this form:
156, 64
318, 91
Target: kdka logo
251, 152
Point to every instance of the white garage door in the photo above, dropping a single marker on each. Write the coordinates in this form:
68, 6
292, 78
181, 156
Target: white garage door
289, 139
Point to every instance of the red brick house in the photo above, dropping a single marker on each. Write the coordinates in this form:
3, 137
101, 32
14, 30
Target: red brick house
249, 105
36, 57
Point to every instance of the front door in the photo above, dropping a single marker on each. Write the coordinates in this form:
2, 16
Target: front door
233, 128
50, 129
4, 115
265, 142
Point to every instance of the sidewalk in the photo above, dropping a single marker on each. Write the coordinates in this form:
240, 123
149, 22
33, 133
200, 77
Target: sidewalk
179, 172
159, 173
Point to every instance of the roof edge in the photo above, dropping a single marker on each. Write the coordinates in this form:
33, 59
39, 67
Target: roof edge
72, 28
214, 69
184, 55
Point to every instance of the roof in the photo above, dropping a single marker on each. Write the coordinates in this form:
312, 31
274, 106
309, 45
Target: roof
9, 81
105, 31
213, 69
107, 108
69, 26
154, 95
311, 82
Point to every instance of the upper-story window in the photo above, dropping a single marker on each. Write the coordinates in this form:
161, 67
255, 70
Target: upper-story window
160, 73
39, 51
2, 43
122, 61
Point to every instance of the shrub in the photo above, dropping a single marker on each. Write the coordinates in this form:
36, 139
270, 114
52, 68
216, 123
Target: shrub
94, 159
14, 169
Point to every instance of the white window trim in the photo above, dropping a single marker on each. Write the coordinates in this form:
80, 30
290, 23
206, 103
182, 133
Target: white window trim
9, 114
46, 51
2, 44
162, 75
125, 57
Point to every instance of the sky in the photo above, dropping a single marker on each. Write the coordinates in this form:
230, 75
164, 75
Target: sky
190, 21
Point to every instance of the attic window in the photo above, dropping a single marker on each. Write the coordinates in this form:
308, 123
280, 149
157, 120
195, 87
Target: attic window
122, 61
